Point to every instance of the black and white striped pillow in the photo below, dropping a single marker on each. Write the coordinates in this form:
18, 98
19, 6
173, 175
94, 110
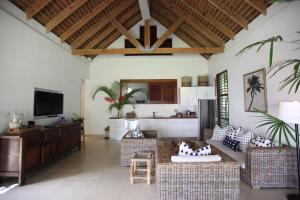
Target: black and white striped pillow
244, 138
219, 133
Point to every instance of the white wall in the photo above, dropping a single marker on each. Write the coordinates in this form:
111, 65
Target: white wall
108, 68
29, 60
282, 19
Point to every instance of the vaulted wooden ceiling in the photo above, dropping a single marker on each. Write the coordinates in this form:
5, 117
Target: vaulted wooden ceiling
90, 26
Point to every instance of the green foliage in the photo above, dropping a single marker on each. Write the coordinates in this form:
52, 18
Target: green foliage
276, 127
262, 43
293, 79
114, 93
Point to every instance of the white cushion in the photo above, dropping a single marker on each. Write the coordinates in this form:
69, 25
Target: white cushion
219, 133
208, 158
238, 156
185, 150
233, 131
136, 133
244, 138
260, 141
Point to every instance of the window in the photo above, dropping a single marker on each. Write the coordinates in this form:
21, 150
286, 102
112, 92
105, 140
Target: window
222, 99
159, 91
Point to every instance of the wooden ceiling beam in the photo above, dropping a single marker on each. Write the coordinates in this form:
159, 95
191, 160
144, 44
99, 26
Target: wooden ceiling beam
100, 24
144, 7
168, 32
102, 35
258, 5
107, 31
36, 7
196, 50
147, 34
219, 4
185, 36
202, 29
64, 14
124, 31
113, 37
209, 18
84, 20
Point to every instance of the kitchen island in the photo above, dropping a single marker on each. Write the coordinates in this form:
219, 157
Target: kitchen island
172, 127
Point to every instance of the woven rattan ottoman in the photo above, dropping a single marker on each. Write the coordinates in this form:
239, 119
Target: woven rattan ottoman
130, 146
195, 181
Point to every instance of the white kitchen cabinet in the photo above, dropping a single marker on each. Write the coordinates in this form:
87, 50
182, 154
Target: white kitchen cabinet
206, 92
178, 128
189, 128
149, 124
173, 128
117, 129
188, 96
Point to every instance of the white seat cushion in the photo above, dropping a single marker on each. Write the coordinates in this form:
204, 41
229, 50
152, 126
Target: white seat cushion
208, 158
238, 156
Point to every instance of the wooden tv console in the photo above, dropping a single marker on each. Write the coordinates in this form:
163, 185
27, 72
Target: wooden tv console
20, 153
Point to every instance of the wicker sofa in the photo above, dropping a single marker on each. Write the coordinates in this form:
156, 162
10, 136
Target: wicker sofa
262, 167
130, 145
195, 181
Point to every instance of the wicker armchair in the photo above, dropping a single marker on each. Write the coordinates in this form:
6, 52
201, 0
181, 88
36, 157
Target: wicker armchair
195, 181
267, 167
130, 146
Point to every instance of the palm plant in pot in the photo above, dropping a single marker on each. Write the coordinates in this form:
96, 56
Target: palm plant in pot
115, 97
278, 127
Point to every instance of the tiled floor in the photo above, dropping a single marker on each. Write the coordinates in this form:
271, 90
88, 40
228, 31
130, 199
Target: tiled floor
95, 174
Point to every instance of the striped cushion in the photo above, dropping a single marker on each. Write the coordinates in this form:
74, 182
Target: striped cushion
219, 133
244, 138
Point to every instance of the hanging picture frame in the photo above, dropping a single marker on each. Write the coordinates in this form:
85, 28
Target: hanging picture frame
255, 91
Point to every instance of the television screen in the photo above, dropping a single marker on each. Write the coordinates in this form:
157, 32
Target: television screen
48, 103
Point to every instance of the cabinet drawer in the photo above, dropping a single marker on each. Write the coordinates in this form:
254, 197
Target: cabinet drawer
33, 158
34, 140
51, 135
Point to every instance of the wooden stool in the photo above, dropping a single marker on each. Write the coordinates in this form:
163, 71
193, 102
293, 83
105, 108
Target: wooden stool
134, 169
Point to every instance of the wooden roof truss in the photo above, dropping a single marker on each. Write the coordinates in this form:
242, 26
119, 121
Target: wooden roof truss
90, 26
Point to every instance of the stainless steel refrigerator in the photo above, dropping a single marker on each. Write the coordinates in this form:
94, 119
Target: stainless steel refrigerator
206, 115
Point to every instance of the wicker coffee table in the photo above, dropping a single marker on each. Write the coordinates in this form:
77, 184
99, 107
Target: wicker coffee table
130, 146
194, 181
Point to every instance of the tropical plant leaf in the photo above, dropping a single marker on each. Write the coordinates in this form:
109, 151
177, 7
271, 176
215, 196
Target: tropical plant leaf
262, 43
293, 79
107, 91
276, 127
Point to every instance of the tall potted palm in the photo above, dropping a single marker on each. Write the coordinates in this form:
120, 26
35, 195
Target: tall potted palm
115, 98
278, 127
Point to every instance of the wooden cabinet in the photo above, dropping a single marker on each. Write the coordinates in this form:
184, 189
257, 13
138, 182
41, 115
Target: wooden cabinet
20, 153
188, 96
163, 92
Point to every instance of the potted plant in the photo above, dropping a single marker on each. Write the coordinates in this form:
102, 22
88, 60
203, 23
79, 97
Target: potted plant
278, 127
115, 98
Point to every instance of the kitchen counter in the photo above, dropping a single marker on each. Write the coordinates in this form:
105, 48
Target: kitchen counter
185, 117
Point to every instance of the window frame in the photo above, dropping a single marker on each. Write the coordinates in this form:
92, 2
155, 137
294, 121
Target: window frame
218, 102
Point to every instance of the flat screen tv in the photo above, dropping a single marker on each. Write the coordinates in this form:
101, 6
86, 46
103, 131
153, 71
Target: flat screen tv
48, 103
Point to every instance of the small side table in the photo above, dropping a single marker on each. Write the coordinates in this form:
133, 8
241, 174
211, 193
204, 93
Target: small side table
134, 169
